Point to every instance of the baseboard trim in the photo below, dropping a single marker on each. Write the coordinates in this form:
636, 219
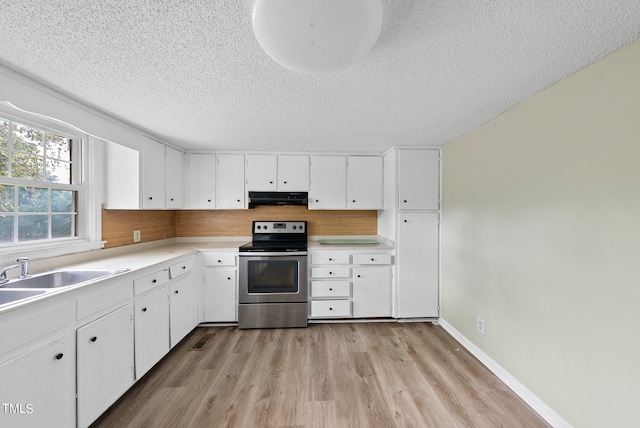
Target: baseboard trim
514, 384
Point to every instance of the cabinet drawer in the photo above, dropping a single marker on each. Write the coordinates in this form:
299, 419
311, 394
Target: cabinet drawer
177, 269
219, 259
148, 282
330, 289
372, 259
331, 308
103, 298
330, 259
331, 272
28, 328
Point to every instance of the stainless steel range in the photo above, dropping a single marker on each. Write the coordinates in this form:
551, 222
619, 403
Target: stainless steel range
273, 289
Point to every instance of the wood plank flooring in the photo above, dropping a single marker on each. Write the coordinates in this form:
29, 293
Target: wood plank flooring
326, 375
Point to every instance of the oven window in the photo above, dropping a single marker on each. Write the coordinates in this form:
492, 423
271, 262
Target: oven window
272, 276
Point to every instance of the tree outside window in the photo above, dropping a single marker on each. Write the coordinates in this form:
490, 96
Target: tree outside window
38, 202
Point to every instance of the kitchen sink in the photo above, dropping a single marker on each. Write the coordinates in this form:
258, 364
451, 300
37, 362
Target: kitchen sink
10, 296
60, 278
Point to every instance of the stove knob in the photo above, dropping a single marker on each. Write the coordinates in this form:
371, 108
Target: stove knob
265, 227
295, 227
259, 227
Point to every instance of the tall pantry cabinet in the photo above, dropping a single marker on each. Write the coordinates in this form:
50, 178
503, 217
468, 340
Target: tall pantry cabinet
411, 219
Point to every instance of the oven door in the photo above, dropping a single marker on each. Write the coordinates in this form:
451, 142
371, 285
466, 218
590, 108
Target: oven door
273, 277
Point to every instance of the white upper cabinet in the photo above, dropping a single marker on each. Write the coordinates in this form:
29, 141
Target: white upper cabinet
174, 184
418, 179
162, 176
277, 172
261, 172
364, 183
230, 181
122, 177
328, 187
153, 174
293, 173
202, 181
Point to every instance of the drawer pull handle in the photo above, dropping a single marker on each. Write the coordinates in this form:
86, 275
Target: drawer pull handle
405, 201
59, 356
177, 291
229, 278
330, 289
154, 281
150, 198
184, 267
373, 260
330, 273
93, 339
358, 276
330, 259
144, 309
219, 261
208, 200
330, 309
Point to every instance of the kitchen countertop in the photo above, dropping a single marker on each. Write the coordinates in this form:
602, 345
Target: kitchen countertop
140, 256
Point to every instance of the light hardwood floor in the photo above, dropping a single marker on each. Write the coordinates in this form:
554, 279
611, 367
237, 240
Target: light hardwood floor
326, 375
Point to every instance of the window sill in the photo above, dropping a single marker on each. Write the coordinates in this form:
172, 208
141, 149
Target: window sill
43, 250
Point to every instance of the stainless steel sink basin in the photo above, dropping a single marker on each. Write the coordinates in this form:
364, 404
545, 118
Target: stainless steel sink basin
10, 296
61, 278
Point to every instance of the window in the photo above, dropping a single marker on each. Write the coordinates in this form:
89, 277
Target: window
39, 183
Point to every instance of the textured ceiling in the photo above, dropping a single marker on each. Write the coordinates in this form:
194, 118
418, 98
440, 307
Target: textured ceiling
192, 73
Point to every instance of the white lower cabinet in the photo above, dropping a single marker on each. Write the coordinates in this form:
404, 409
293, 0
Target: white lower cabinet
371, 292
104, 363
354, 284
37, 388
182, 314
151, 326
417, 283
220, 295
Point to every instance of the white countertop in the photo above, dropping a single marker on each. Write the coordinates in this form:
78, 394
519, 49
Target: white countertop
140, 256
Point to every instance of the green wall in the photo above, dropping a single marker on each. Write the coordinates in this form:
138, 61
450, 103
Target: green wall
541, 238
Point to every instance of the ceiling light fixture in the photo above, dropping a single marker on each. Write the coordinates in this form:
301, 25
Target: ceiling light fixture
317, 36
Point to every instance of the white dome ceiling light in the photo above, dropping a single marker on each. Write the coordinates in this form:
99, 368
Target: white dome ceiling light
317, 36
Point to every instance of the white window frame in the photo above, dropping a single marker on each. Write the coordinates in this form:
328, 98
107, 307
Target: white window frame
85, 182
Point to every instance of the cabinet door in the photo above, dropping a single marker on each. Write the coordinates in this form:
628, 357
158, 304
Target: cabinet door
105, 363
182, 309
364, 183
328, 187
372, 292
38, 387
230, 181
174, 184
122, 176
261, 172
293, 173
417, 264
220, 302
153, 174
151, 319
202, 181
418, 179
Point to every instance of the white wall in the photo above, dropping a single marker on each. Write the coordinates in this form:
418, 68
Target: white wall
541, 239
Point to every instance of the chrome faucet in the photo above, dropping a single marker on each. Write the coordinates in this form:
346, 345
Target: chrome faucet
24, 270
3, 274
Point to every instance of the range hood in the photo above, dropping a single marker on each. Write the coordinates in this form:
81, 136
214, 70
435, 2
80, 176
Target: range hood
277, 198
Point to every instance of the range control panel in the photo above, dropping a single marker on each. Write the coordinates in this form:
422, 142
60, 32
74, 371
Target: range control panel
279, 227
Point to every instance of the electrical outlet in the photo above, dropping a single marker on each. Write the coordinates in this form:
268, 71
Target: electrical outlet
480, 325
136, 236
